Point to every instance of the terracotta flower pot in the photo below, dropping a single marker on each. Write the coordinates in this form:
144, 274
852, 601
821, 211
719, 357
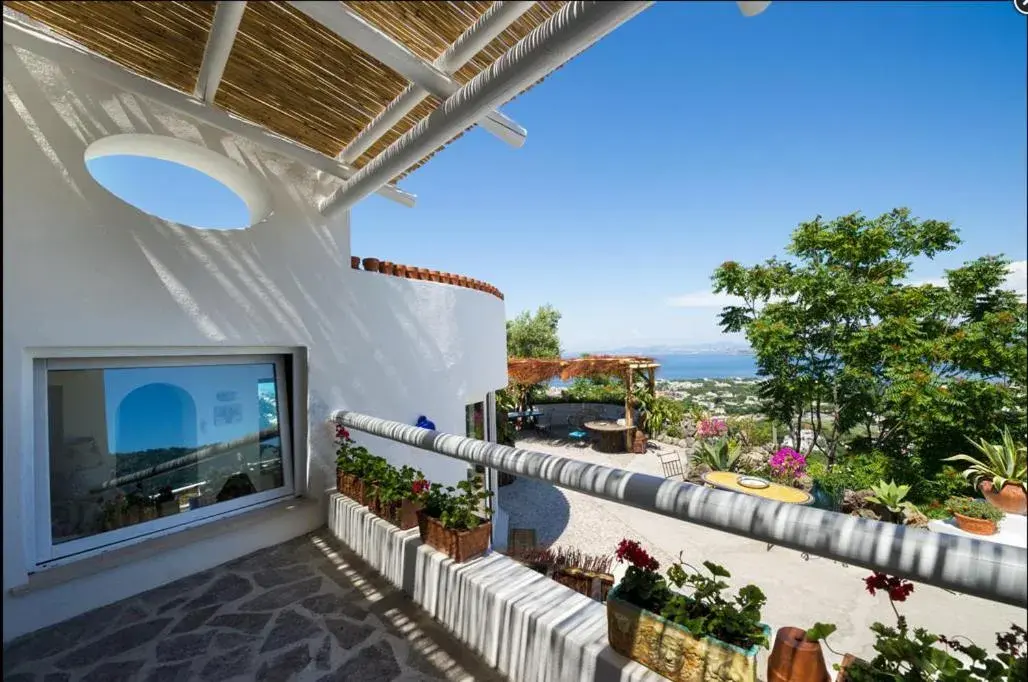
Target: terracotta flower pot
371, 264
351, 486
400, 270
355, 262
591, 584
385, 267
794, 659
847, 661
459, 545
437, 276
975, 526
424, 274
462, 281
1011, 498
407, 516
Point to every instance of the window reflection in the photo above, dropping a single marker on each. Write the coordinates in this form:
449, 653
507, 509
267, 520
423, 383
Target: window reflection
132, 445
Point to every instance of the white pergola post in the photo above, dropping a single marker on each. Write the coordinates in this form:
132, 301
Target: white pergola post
572, 29
352, 28
227, 15
491, 24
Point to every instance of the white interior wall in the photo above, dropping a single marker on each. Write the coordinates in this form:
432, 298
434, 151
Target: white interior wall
82, 269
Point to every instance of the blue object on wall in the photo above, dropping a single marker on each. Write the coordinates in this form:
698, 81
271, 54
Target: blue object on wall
424, 423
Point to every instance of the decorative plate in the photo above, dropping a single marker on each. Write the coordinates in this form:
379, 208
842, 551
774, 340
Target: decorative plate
753, 482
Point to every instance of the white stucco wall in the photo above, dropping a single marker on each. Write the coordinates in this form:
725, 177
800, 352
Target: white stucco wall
83, 269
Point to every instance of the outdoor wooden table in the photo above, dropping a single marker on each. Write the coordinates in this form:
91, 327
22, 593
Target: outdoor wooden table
774, 491
610, 435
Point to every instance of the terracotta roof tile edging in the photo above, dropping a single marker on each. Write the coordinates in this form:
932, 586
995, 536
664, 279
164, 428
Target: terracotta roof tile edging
385, 267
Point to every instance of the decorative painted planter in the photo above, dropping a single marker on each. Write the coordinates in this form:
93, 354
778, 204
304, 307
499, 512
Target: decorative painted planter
672, 651
351, 486
1011, 499
459, 545
355, 262
794, 659
975, 526
593, 585
371, 264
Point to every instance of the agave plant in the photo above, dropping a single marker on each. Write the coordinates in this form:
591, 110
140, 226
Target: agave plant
719, 455
891, 496
1002, 463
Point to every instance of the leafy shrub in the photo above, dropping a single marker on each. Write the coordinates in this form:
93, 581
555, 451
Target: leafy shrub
975, 509
755, 432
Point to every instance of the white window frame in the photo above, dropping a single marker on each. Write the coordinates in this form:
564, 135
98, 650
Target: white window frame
47, 553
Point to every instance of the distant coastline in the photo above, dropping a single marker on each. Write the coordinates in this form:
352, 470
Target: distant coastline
689, 365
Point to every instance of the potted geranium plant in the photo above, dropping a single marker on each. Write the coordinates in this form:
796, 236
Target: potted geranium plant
394, 495
454, 521
915, 655
684, 637
974, 516
353, 462
1001, 474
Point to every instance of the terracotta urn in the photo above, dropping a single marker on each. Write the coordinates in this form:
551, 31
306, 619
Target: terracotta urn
794, 659
975, 526
355, 262
1011, 498
371, 264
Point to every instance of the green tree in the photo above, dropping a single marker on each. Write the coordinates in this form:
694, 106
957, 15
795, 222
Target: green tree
534, 336
842, 342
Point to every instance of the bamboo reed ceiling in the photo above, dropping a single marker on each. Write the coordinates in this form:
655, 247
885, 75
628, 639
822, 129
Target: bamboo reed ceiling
285, 72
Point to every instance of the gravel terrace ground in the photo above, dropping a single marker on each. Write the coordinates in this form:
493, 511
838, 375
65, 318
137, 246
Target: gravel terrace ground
800, 589
308, 609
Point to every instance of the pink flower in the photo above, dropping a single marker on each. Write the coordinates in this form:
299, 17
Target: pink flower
788, 463
711, 428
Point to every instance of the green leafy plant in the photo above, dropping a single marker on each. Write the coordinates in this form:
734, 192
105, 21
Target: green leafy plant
891, 496
718, 455
705, 611
974, 509
1001, 463
905, 654
457, 507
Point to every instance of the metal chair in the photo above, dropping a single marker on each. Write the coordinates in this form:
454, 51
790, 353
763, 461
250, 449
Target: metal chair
576, 431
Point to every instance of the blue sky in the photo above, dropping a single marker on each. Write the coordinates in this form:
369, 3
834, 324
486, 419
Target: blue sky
693, 135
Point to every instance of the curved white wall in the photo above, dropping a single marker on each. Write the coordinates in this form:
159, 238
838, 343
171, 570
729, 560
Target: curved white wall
83, 269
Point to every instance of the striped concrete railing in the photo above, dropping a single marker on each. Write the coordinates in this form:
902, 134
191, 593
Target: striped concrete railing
385, 267
984, 569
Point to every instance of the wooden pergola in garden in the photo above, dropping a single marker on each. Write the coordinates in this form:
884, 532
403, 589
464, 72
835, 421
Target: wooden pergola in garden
530, 371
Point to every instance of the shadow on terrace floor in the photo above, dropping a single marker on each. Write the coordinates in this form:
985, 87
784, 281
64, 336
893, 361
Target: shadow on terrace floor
308, 609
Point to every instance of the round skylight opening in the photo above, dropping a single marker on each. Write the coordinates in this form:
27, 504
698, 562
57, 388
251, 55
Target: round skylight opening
178, 181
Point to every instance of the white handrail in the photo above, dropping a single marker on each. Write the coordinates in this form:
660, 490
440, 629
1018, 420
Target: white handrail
984, 569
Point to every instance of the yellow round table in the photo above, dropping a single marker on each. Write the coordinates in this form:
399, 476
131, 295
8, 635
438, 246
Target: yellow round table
726, 480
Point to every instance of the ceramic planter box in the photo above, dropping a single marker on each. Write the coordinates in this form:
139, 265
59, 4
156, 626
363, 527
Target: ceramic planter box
672, 651
459, 545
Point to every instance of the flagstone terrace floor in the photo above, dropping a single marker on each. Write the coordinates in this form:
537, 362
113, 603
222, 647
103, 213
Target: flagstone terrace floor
308, 609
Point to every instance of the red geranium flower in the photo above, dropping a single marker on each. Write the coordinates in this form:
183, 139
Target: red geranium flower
419, 486
636, 555
342, 433
898, 588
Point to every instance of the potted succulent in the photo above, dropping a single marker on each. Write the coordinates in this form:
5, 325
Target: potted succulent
685, 637
451, 519
916, 655
1001, 473
974, 516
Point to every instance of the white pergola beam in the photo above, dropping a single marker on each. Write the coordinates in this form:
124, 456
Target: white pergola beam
576, 26
75, 57
491, 24
227, 15
352, 28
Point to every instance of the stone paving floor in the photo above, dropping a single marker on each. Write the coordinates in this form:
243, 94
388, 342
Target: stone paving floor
308, 609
